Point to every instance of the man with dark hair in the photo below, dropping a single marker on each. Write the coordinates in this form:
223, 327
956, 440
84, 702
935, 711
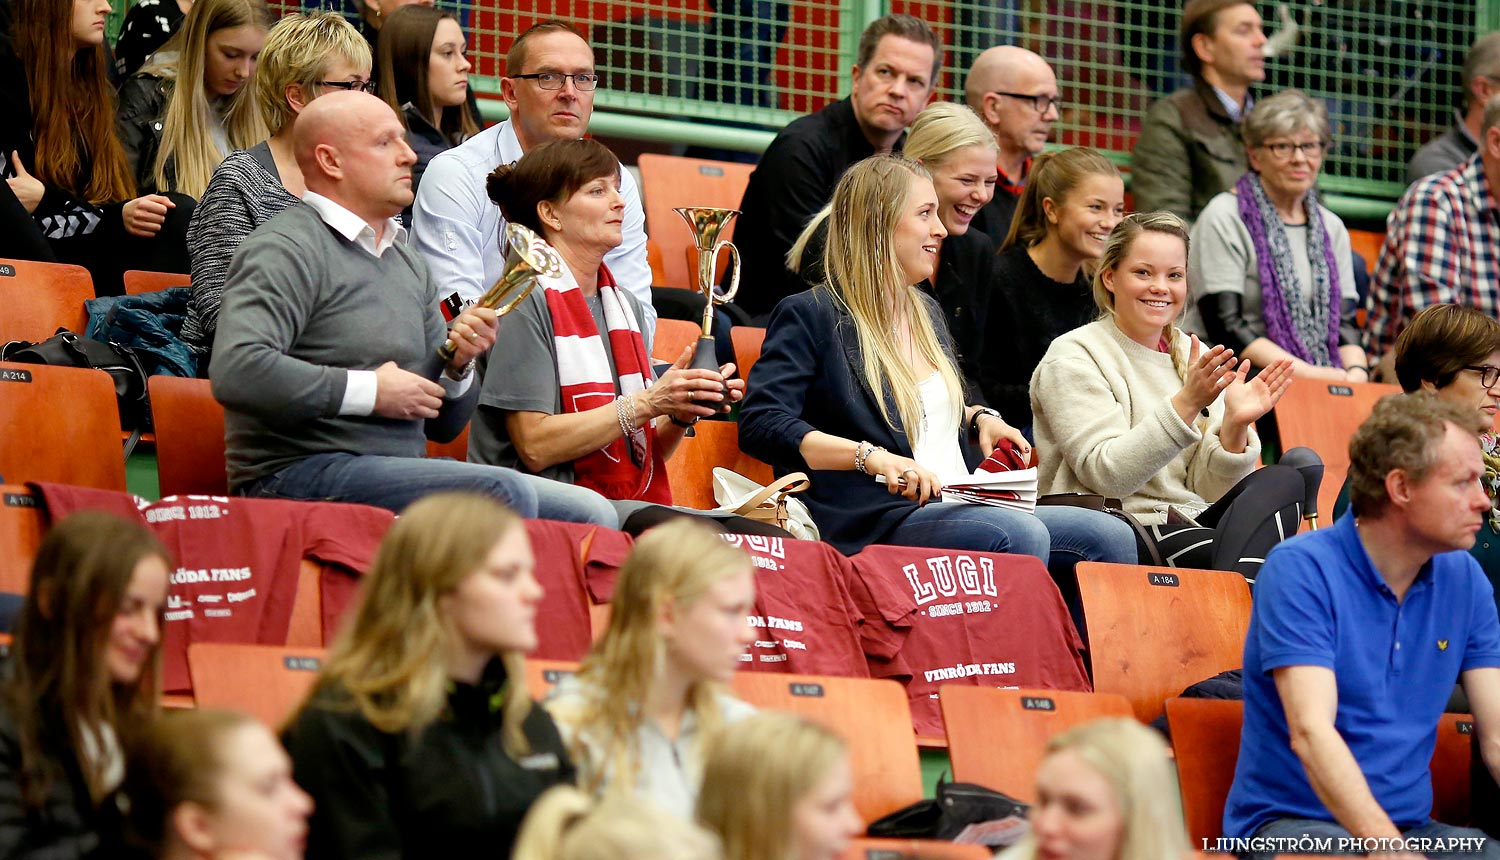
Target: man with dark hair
549, 87
1015, 92
1481, 80
1357, 637
326, 353
1442, 244
1189, 149
893, 79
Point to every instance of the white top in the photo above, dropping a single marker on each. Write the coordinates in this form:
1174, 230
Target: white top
455, 224
937, 447
669, 771
361, 386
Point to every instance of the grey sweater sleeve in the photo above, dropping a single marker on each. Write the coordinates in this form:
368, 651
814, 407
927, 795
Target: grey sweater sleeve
271, 289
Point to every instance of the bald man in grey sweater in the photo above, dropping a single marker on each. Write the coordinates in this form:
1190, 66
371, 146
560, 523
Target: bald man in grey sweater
326, 353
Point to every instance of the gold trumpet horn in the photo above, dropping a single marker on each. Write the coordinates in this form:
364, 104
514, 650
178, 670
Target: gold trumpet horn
527, 256
707, 224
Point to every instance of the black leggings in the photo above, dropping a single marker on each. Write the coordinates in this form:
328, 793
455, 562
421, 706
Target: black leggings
1237, 531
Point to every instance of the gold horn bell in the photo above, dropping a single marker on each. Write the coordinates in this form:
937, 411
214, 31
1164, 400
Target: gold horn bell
527, 257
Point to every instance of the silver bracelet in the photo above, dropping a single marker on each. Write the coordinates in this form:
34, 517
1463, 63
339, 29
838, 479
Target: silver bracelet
626, 424
862, 452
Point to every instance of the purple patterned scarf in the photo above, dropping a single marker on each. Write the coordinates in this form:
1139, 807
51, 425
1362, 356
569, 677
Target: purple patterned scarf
1309, 333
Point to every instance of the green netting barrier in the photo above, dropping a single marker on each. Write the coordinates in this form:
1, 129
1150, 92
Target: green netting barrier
694, 71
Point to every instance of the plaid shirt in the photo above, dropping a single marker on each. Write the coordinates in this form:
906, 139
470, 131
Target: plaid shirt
1442, 244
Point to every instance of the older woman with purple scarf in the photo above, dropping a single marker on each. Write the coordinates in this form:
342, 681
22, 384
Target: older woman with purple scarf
1270, 270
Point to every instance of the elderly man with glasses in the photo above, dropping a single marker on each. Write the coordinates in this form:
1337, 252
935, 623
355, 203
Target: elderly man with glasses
1015, 92
549, 88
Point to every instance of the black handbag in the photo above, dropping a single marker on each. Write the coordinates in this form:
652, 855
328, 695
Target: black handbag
956, 806
69, 349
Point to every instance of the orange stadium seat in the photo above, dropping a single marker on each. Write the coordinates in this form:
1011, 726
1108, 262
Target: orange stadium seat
997, 738
748, 341
189, 437
1451, 761
267, 682
1206, 741
40, 298
669, 181
872, 716
137, 281
1367, 244
543, 675
912, 849
691, 467
672, 337
59, 424
1323, 416
22, 523
1155, 631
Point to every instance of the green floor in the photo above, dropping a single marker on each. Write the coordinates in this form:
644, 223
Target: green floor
140, 473
934, 767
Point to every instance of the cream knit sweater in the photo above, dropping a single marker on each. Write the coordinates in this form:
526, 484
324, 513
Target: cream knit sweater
1104, 423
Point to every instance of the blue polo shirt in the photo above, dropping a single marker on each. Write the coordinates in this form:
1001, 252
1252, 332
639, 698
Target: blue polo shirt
1320, 602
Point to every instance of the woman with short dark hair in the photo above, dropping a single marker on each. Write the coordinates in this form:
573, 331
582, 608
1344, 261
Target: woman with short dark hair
1453, 352
570, 393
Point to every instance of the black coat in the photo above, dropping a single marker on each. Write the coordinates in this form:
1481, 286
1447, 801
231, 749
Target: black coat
68, 826
143, 107
451, 791
809, 377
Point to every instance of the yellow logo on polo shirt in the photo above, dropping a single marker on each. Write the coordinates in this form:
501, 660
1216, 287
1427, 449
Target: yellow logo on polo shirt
1442, 644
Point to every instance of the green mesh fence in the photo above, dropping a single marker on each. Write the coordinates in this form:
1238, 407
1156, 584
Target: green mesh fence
1388, 70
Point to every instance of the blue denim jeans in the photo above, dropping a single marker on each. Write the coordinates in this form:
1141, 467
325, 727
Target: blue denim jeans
395, 482
1315, 836
1059, 536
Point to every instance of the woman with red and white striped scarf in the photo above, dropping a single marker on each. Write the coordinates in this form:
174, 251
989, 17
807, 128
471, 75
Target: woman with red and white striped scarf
569, 392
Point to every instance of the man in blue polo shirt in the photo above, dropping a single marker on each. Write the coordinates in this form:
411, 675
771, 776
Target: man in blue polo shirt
1357, 636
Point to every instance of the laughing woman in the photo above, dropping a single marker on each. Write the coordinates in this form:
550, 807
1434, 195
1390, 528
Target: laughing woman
1128, 406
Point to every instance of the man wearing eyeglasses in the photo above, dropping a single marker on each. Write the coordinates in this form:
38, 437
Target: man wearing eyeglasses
1189, 149
894, 74
1015, 92
549, 88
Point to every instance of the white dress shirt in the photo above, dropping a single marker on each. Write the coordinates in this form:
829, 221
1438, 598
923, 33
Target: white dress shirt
456, 226
362, 387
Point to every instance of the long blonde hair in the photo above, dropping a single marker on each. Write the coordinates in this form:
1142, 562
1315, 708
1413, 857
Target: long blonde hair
390, 657
677, 562
1118, 247
864, 275
1133, 760
187, 142
756, 774
566, 824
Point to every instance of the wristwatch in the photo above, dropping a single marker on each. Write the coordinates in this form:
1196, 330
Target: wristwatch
974, 419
